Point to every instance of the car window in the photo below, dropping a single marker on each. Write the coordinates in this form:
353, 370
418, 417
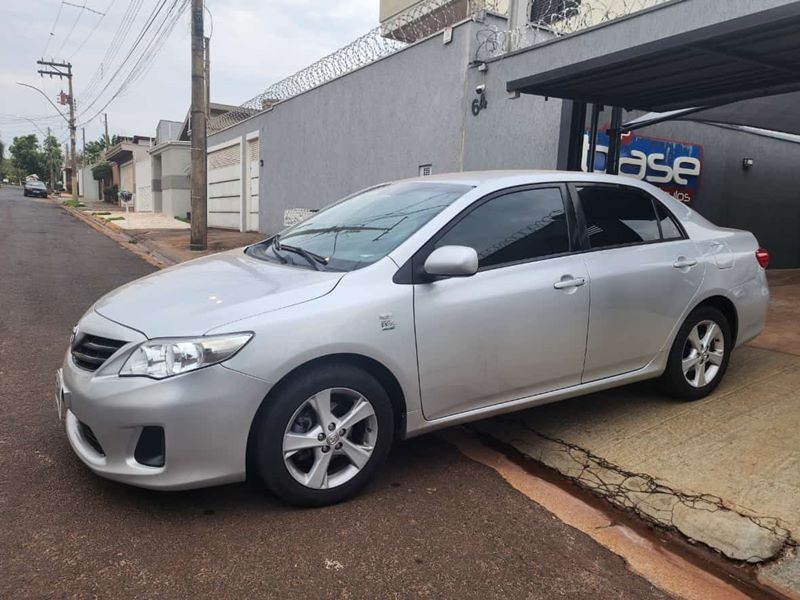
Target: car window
617, 215
513, 227
363, 228
669, 227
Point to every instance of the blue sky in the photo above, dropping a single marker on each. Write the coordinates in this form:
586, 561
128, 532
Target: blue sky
254, 43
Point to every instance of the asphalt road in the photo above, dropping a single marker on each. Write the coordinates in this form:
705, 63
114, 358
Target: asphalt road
435, 524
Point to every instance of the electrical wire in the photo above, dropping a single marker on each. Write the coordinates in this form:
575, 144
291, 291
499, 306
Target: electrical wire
91, 32
53, 28
71, 29
147, 55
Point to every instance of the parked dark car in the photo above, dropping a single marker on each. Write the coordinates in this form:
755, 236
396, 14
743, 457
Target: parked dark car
34, 187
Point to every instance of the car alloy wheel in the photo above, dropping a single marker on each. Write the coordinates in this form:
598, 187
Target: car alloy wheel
330, 438
703, 354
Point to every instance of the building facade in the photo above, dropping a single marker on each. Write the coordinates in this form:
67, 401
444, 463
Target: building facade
440, 104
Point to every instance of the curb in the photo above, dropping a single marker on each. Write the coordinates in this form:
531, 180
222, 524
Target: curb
701, 518
128, 242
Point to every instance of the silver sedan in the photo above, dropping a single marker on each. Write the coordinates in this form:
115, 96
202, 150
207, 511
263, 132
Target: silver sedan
407, 307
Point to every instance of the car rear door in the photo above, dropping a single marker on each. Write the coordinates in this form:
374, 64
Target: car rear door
518, 326
644, 272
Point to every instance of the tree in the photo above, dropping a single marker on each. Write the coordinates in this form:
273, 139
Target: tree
26, 156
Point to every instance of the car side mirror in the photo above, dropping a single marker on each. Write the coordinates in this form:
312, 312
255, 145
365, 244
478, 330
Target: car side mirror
452, 261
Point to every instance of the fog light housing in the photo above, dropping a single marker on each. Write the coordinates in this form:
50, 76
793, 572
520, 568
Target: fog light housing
151, 448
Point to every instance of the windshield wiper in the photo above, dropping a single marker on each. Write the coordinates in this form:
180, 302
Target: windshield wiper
316, 261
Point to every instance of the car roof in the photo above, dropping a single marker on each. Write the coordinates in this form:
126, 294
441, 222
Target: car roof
521, 176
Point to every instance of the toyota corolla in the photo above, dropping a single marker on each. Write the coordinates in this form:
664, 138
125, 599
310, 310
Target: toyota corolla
407, 307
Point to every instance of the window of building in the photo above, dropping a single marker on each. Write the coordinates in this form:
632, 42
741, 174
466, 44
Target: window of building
669, 228
617, 215
425, 170
550, 11
514, 227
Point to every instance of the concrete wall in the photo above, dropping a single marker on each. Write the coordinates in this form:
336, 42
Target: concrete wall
378, 123
170, 179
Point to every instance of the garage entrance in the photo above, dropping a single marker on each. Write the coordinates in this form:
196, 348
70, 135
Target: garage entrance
739, 72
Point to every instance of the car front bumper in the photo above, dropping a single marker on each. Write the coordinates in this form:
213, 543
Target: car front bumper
205, 416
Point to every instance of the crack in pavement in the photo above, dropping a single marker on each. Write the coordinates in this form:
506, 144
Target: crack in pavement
700, 518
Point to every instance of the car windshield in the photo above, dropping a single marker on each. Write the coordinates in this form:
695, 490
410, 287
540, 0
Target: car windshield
361, 229
36, 184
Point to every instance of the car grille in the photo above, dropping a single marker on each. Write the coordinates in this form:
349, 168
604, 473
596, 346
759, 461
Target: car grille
90, 438
91, 351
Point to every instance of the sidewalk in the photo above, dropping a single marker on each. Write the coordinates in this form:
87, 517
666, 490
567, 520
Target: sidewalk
724, 471
159, 239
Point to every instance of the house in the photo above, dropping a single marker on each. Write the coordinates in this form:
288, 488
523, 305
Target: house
130, 168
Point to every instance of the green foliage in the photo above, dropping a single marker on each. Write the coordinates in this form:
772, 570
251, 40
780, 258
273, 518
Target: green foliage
101, 171
115, 219
100, 213
73, 203
27, 158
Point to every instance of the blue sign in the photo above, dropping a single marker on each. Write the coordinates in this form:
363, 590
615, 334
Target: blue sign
673, 166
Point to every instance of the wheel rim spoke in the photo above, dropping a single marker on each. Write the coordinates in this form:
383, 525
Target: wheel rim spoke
711, 332
701, 375
361, 410
690, 362
321, 403
694, 340
293, 442
715, 358
317, 476
358, 455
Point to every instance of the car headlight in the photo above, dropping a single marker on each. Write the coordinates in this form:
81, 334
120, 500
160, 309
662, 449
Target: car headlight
160, 358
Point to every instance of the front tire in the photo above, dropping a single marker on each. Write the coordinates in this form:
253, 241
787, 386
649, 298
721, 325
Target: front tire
323, 434
699, 355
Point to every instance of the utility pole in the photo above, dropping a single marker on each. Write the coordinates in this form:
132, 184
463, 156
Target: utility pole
62, 70
199, 227
105, 121
207, 73
83, 147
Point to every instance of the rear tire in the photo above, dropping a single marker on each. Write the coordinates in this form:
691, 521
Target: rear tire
699, 355
311, 411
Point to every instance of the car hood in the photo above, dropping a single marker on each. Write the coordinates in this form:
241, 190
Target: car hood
206, 293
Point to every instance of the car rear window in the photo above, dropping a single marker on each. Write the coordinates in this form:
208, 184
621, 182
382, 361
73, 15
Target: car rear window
618, 216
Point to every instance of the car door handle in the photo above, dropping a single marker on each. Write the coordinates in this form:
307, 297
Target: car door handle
572, 282
684, 263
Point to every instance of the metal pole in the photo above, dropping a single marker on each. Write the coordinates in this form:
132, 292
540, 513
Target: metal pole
593, 136
199, 226
612, 159
105, 120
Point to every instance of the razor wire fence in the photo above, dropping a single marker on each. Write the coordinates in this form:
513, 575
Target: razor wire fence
540, 20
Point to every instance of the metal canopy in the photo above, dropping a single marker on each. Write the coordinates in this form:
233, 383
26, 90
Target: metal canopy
749, 57
779, 113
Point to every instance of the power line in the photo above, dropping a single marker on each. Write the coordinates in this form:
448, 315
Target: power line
91, 32
53, 28
121, 33
71, 29
149, 51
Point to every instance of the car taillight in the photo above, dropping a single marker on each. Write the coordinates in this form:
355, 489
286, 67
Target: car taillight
762, 256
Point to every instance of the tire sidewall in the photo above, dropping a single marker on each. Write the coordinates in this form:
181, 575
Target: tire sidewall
675, 379
281, 406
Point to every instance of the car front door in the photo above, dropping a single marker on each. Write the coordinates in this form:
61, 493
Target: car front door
644, 272
518, 326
